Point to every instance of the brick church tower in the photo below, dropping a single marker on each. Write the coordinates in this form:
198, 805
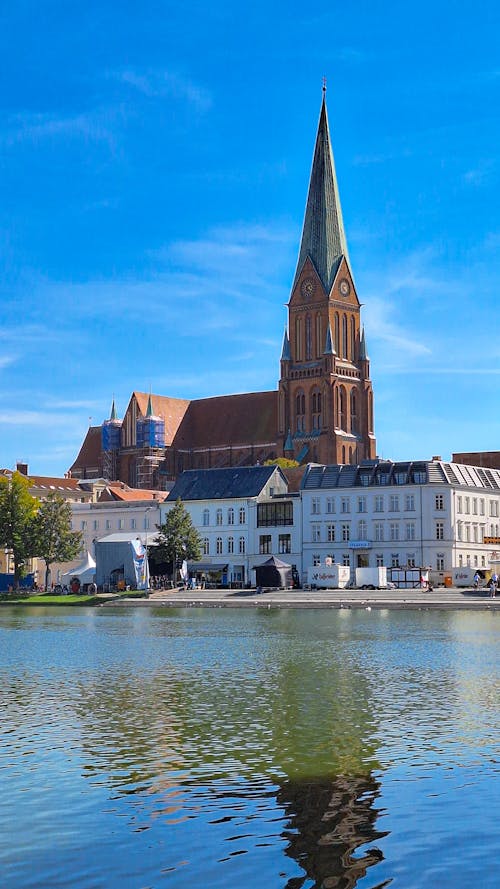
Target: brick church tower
325, 401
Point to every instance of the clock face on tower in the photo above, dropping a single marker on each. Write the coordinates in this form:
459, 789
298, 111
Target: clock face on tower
307, 288
345, 287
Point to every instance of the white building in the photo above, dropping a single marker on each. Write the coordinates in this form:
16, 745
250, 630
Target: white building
421, 513
243, 515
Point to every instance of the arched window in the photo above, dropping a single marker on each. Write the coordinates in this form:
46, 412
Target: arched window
343, 453
336, 419
337, 334
344, 336
218, 517
299, 345
218, 546
242, 546
230, 544
230, 516
319, 336
300, 410
353, 339
308, 338
370, 411
343, 408
316, 409
206, 546
206, 517
242, 515
354, 412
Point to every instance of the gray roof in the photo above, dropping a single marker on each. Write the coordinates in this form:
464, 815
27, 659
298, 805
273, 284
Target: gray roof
381, 473
219, 484
323, 236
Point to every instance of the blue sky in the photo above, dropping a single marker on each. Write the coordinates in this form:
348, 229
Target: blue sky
154, 163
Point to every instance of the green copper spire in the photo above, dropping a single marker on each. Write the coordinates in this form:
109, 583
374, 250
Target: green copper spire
113, 415
323, 236
149, 409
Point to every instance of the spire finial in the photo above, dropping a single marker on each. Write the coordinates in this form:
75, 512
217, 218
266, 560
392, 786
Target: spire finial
324, 86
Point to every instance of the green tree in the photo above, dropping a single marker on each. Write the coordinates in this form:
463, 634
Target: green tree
282, 462
177, 537
17, 511
54, 541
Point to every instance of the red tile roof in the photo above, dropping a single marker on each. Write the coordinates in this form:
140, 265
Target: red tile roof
172, 411
120, 491
229, 420
89, 456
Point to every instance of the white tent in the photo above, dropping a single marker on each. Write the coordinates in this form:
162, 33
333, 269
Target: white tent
84, 572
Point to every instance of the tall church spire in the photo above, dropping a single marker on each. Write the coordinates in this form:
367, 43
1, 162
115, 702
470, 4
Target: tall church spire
323, 236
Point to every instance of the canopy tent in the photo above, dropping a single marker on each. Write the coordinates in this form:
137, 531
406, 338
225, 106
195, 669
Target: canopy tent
84, 572
274, 573
122, 561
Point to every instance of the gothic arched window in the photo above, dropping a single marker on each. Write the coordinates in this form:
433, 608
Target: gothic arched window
354, 412
299, 345
300, 410
316, 409
337, 334
308, 338
343, 408
319, 336
353, 339
344, 336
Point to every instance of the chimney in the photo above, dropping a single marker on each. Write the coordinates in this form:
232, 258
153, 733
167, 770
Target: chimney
436, 459
22, 468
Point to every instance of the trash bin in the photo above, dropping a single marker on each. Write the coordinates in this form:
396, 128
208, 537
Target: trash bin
448, 581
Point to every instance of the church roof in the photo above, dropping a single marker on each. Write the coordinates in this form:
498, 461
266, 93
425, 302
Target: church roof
229, 420
171, 410
323, 236
90, 454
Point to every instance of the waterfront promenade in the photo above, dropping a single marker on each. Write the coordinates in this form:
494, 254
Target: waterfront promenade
437, 599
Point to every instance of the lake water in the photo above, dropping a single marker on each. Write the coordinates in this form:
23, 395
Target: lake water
150, 747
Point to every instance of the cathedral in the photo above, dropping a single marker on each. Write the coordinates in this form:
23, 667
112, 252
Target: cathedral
322, 411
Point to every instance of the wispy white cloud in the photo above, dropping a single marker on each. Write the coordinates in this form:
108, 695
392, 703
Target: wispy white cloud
7, 360
155, 82
380, 315
479, 175
71, 404
14, 417
92, 126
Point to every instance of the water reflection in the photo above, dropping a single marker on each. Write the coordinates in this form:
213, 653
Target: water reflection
274, 749
329, 821
264, 741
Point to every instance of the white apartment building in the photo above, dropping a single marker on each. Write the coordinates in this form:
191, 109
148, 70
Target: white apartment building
416, 514
243, 515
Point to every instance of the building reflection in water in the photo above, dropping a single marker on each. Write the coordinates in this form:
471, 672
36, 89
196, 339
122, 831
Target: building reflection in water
329, 821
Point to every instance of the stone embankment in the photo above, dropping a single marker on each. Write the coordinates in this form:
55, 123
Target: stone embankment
438, 598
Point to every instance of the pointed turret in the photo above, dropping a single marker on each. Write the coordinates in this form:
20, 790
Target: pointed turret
149, 409
323, 237
362, 347
113, 415
288, 446
329, 347
285, 349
